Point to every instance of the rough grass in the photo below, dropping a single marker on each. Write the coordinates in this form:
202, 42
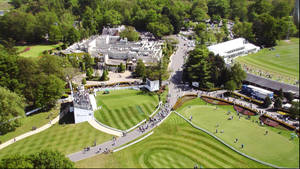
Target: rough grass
123, 109
65, 138
273, 148
174, 144
35, 50
286, 66
28, 122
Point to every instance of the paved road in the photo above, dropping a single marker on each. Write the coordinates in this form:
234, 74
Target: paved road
177, 61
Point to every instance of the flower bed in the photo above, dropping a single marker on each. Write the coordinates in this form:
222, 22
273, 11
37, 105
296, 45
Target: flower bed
182, 100
243, 111
268, 121
25, 50
213, 101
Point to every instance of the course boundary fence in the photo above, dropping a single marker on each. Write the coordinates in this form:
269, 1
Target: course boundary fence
121, 148
243, 154
108, 126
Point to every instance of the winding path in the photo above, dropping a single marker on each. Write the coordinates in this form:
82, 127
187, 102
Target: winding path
30, 133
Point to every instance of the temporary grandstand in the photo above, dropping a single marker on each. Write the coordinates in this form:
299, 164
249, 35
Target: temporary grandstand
271, 84
84, 105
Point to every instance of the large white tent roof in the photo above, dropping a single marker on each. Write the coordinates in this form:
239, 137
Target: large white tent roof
222, 48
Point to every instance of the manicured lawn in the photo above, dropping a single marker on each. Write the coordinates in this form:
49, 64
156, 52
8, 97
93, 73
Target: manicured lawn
285, 66
28, 122
67, 138
35, 50
123, 109
174, 144
273, 148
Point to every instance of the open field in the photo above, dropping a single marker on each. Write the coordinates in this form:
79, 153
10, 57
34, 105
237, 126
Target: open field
28, 122
123, 109
273, 148
35, 50
285, 66
67, 138
174, 144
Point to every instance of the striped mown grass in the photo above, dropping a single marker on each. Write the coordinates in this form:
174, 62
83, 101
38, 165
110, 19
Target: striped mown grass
123, 109
174, 144
27, 122
283, 62
65, 138
273, 148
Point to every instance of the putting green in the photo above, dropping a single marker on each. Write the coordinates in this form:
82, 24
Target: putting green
273, 148
123, 109
67, 138
174, 144
283, 62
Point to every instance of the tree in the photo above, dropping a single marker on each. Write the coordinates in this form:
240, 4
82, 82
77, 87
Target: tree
49, 89
238, 9
285, 28
161, 28
53, 65
197, 68
50, 159
89, 73
243, 29
259, 7
43, 159
104, 76
280, 93
199, 10
218, 7
230, 85
55, 34
238, 74
130, 33
72, 36
83, 81
278, 103
267, 102
294, 109
121, 68
112, 18
289, 96
11, 106
281, 8
16, 161
9, 71
264, 28
140, 70
88, 61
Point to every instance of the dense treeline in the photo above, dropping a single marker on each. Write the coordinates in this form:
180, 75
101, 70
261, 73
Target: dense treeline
210, 71
40, 80
68, 21
42, 159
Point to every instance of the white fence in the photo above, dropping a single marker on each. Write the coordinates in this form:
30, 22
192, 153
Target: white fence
101, 124
121, 148
119, 88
